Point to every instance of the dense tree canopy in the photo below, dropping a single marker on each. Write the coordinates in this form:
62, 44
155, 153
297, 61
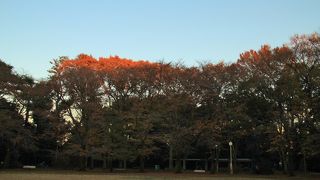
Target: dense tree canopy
144, 113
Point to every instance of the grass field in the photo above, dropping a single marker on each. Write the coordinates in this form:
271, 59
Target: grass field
75, 175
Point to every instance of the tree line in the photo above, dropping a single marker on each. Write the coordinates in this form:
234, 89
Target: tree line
143, 113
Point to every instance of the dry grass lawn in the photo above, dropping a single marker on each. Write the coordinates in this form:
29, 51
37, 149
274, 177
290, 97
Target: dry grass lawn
74, 175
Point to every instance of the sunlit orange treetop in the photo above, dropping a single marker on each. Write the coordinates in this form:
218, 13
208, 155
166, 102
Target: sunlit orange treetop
265, 53
102, 64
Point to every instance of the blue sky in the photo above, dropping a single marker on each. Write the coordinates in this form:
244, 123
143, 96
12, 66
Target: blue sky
33, 32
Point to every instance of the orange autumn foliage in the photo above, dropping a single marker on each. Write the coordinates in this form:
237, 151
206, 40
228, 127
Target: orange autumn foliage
265, 53
103, 64
255, 56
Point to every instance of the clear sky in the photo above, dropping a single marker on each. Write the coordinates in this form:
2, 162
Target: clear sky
33, 32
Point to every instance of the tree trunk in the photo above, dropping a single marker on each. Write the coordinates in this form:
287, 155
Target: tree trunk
104, 162
285, 163
290, 155
124, 164
170, 158
217, 160
178, 165
83, 162
7, 159
206, 165
120, 164
86, 162
141, 158
110, 163
290, 163
235, 157
304, 162
57, 152
91, 162
212, 162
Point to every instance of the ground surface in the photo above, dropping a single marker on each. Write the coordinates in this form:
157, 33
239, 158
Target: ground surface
89, 175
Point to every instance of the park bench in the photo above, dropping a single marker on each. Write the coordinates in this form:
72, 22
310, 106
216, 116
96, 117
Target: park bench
28, 167
199, 171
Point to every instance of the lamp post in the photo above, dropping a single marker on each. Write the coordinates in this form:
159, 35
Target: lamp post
231, 168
